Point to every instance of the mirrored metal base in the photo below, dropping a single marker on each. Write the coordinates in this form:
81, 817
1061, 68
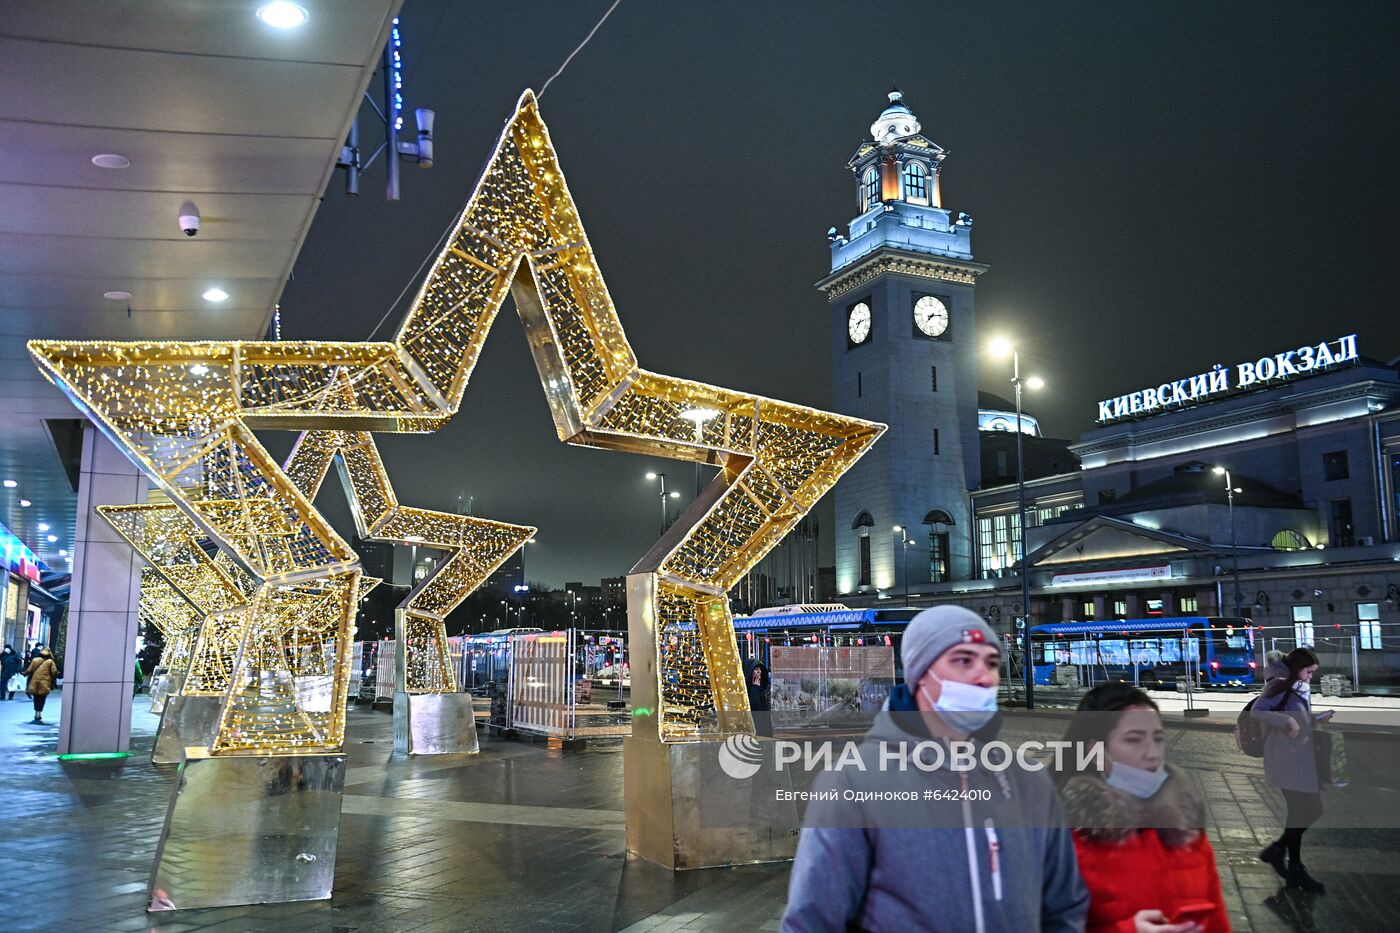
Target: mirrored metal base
188, 721
434, 724
684, 811
164, 684
249, 831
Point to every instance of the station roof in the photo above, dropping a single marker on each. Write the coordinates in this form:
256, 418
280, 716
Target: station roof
208, 105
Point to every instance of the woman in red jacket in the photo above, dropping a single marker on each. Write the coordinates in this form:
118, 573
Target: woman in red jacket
1138, 824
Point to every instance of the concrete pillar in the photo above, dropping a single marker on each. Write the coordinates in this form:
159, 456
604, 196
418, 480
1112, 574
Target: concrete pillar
102, 608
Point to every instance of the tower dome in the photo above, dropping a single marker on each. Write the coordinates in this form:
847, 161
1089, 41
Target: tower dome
895, 121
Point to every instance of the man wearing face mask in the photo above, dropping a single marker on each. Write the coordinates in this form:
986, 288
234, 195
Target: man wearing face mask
938, 846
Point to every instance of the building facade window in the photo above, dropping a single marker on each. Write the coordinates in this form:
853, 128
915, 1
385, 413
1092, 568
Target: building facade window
1368, 619
1003, 468
1120, 608
935, 442
1186, 604
864, 560
1339, 525
938, 556
870, 188
1334, 465
933, 377
1303, 626
1088, 608
860, 388
1288, 540
915, 183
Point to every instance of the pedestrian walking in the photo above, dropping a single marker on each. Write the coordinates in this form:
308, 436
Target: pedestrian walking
1138, 824
938, 847
10, 665
42, 672
1284, 710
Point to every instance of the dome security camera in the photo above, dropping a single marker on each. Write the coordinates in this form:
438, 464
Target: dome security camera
189, 219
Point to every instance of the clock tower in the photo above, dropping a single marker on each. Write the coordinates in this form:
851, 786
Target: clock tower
904, 351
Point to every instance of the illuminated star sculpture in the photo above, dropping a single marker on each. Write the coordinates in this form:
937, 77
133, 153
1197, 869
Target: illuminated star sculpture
476, 546
186, 412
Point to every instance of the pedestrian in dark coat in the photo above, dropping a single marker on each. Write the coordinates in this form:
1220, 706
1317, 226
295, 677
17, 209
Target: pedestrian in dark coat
42, 673
760, 686
1284, 710
1139, 825
10, 665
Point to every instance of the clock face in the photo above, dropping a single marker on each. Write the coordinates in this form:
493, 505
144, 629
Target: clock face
930, 316
858, 323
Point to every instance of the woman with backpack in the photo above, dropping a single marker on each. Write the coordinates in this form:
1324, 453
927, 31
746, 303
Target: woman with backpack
1284, 710
1139, 824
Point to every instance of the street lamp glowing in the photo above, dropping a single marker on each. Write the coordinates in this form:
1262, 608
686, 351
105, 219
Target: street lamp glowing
1035, 382
898, 527
651, 476
1218, 471
675, 495
1000, 346
699, 415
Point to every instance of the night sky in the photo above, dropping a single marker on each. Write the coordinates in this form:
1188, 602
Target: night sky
1156, 189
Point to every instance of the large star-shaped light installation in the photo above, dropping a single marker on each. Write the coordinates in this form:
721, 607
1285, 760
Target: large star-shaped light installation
186, 413
476, 546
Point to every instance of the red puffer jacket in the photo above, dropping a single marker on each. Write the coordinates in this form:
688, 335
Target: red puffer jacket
1141, 873
1142, 854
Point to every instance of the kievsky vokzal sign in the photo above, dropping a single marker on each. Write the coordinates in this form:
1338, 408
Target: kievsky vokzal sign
1276, 368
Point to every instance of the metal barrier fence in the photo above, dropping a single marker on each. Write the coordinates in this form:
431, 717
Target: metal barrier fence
570, 683
357, 653
818, 687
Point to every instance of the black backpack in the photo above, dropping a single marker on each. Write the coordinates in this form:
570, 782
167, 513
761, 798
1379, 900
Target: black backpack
1249, 734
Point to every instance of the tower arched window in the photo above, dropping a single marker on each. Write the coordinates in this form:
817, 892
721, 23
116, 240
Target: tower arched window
869, 188
915, 182
861, 526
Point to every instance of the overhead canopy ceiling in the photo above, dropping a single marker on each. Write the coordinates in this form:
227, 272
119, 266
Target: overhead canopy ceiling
212, 107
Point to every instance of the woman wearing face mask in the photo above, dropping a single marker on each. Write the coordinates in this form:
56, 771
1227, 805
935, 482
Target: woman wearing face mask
1138, 824
1285, 711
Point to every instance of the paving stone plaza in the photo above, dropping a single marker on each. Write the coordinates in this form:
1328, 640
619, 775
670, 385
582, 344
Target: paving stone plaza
524, 836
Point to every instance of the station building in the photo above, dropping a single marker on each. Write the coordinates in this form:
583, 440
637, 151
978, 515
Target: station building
1133, 519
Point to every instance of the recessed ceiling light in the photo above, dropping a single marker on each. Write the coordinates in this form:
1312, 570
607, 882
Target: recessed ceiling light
117, 296
53, 538
10, 484
283, 15
215, 294
25, 503
111, 160
43, 526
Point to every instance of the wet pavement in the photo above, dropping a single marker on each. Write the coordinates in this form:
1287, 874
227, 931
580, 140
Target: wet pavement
524, 836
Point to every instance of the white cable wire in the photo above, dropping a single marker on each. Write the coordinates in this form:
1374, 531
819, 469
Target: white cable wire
595, 28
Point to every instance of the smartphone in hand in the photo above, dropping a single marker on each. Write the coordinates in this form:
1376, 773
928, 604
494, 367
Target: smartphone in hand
1194, 913
1325, 715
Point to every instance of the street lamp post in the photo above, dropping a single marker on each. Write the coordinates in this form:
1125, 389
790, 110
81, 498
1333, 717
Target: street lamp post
1003, 347
1230, 491
664, 496
904, 543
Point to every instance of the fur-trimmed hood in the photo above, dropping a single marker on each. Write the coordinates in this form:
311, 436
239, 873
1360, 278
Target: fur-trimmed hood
1106, 814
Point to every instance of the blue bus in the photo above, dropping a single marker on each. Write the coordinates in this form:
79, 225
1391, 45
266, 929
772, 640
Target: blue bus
829, 624
1150, 652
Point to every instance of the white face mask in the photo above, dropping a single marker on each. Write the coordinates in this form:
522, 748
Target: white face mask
1136, 781
965, 707
1303, 688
